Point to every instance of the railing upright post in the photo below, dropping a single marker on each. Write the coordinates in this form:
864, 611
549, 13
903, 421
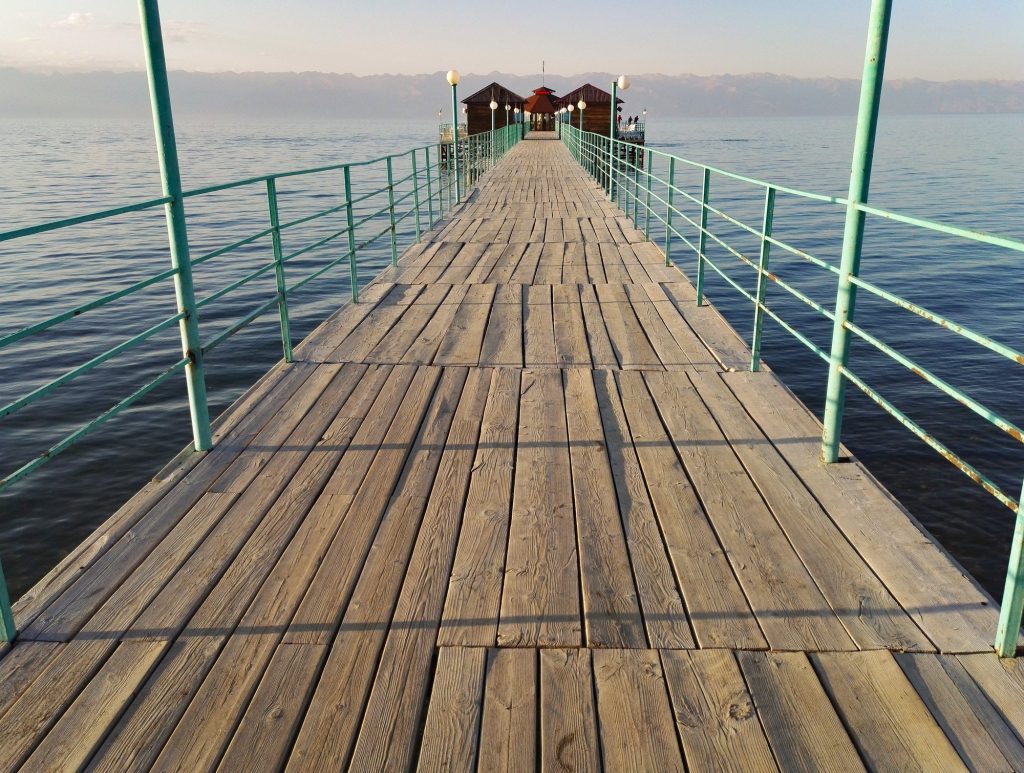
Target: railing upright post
177, 234
282, 288
702, 240
1010, 611
8, 631
762, 278
669, 208
611, 138
853, 233
455, 141
430, 193
416, 193
353, 271
391, 211
647, 201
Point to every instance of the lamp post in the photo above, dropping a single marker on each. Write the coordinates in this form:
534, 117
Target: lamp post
453, 80
507, 108
622, 82
569, 109
493, 106
582, 106
526, 120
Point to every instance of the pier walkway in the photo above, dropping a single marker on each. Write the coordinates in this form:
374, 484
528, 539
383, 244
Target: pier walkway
522, 507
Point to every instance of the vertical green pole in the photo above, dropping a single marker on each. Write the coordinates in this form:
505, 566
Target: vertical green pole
8, 631
647, 202
282, 289
455, 142
177, 235
430, 193
611, 137
416, 192
702, 240
350, 218
391, 211
1013, 592
853, 233
762, 279
669, 209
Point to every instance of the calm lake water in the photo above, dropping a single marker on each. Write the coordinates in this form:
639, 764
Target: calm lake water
960, 169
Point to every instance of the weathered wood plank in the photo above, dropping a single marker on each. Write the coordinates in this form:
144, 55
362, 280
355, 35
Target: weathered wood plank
540, 599
508, 728
802, 726
473, 603
611, 612
569, 738
887, 720
451, 731
637, 731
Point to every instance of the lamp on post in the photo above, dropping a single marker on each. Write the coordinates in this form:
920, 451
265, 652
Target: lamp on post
453, 81
622, 82
569, 108
493, 106
507, 108
582, 106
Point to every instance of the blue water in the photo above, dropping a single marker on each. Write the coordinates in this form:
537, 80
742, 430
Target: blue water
963, 169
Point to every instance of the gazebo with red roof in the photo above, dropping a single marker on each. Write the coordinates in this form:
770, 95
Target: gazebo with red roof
541, 107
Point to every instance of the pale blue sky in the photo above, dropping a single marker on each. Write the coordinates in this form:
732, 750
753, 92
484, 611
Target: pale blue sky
933, 39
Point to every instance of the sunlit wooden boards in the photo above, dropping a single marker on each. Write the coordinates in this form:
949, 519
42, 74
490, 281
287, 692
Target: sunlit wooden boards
521, 507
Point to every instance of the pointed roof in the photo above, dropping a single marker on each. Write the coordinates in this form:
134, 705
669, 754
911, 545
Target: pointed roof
494, 91
590, 94
542, 101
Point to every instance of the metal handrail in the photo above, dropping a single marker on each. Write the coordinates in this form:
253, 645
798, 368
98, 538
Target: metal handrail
625, 171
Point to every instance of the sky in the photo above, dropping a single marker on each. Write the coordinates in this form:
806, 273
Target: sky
930, 39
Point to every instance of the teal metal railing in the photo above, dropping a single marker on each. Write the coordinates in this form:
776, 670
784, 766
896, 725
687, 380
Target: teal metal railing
646, 184
417, 185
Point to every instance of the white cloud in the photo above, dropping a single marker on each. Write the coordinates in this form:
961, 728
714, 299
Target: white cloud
76, 19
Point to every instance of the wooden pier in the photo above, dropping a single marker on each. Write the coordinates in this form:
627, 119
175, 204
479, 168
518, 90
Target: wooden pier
522, 507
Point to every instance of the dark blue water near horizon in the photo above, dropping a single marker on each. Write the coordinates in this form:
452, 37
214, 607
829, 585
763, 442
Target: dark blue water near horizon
959, 169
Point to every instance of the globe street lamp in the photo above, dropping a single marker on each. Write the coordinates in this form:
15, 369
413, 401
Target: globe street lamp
582, 106
453, 81
493, 106
621, 83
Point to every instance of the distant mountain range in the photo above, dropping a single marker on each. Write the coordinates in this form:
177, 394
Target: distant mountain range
315, 95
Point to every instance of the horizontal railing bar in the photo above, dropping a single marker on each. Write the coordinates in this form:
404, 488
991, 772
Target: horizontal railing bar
241, 243
965, 467
323, 270
941, 384
89, 306
236, 284
797, 335
85, 367
952, 230
314, 245
1006, 351
224, 335
314, 216
53, 225
74, 437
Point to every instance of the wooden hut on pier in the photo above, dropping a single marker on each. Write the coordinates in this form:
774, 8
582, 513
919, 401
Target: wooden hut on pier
599, 105
478, 108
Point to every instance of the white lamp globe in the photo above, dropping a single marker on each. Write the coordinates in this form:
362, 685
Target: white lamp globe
569, 108
493, 105
453, 77
581, 105
623, 82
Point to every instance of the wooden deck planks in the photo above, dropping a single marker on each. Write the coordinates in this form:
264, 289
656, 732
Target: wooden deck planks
448, 534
